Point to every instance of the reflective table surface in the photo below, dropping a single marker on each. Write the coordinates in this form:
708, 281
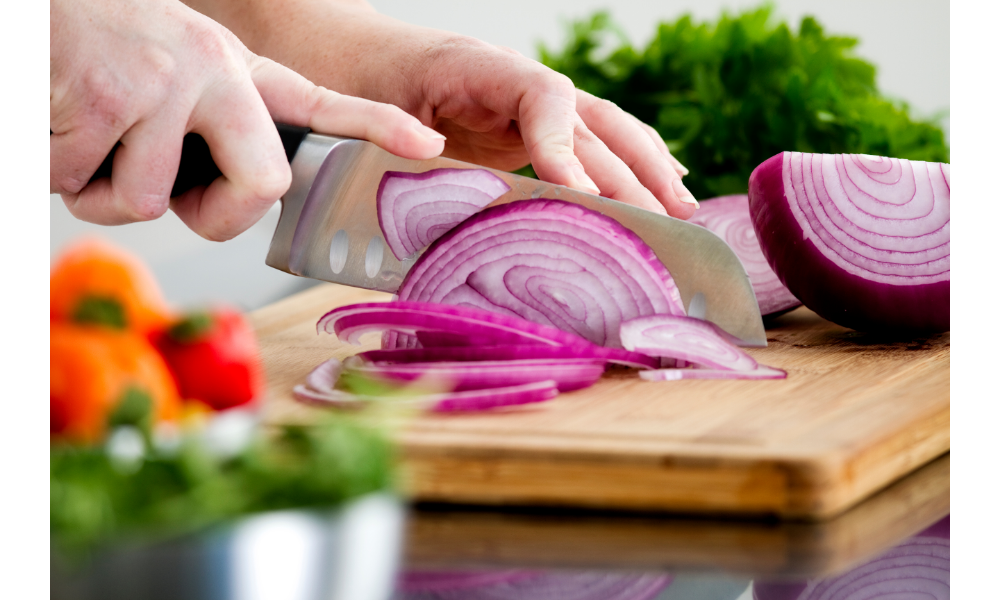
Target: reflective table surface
893, 545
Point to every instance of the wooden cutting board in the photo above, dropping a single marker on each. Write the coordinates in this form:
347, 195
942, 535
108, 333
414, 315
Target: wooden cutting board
857, 412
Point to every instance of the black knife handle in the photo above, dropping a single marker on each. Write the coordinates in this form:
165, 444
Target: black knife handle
197, 167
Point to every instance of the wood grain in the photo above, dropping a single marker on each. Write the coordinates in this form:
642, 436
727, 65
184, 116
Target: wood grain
857, 412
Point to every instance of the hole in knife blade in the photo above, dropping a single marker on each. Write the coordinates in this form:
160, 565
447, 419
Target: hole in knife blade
373, 256
338, 252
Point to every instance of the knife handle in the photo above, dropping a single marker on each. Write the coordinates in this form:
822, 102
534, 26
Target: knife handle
197, 167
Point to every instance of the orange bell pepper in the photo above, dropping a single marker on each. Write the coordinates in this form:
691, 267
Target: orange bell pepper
92, 369
95, 281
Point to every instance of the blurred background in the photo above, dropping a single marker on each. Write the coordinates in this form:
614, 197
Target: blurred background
908, 41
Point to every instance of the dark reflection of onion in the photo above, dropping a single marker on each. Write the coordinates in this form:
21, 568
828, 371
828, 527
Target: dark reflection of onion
917, 569
523, 584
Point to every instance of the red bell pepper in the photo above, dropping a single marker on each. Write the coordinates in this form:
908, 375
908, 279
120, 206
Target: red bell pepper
214, 358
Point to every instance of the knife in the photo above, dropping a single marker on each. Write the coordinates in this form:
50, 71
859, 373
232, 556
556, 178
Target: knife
329, 229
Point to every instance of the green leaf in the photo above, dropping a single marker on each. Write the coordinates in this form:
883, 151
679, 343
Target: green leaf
728, 94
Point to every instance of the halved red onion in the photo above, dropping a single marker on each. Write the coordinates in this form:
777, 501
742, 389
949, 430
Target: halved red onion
414, 209
862, 240
568, 373
729, 218
919, 568
319, 390
473, 325
549, 262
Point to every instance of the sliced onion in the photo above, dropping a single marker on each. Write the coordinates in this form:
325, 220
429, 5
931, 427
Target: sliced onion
324, 377
918, 568
568, 373
480, 353
758, 372
729, 218
471, 325
414, 209
684, 338
864, 241
550, 262
525, 584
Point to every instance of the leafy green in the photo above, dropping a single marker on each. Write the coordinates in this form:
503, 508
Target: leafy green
94, 499
727, 95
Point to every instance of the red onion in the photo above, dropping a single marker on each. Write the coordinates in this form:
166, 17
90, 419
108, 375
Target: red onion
414, 209
319, 390
864, 241
758, 372
549, 262
479, 353
693, 341
729, 218
568, 373
538, 585
472, 325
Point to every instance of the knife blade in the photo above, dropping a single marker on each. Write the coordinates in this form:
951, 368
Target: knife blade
329, 228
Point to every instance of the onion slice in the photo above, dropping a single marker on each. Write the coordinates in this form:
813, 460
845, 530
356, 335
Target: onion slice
759, 372
568, 373
729, 218
684, 338
474, 325
549, 262
414, 209
693, 341
319, 390
864, 241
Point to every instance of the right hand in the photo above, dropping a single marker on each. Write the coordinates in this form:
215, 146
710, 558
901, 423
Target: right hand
147, 72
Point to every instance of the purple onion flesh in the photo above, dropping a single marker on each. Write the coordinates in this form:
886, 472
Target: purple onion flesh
414, 209
550, 262
729, 218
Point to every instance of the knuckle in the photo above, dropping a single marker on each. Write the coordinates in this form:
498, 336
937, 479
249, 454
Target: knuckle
269, 184
145, 207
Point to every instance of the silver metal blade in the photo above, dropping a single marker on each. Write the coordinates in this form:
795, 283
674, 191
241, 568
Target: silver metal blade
329, 230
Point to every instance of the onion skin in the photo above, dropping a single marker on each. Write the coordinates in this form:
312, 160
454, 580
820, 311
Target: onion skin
835, 294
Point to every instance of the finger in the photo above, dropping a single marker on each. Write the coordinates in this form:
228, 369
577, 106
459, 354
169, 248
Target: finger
661, 145
143, 171
548, 120
615, 179
247, 149
293, 99
625, 139
75, 155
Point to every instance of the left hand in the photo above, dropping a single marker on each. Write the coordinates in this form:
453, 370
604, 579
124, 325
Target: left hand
496, 107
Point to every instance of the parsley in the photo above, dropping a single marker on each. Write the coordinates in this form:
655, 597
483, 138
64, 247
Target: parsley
728, 95
95, 501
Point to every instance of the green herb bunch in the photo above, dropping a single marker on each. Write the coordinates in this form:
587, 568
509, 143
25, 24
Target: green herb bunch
726, 96
95, 498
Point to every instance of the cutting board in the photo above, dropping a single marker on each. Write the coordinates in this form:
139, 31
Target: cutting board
857, 412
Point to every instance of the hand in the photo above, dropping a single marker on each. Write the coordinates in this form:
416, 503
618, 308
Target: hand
496, 107
146, 72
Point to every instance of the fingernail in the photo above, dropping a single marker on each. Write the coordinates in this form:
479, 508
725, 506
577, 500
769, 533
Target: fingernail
429, 133
681, 168
584, 181
683, 194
